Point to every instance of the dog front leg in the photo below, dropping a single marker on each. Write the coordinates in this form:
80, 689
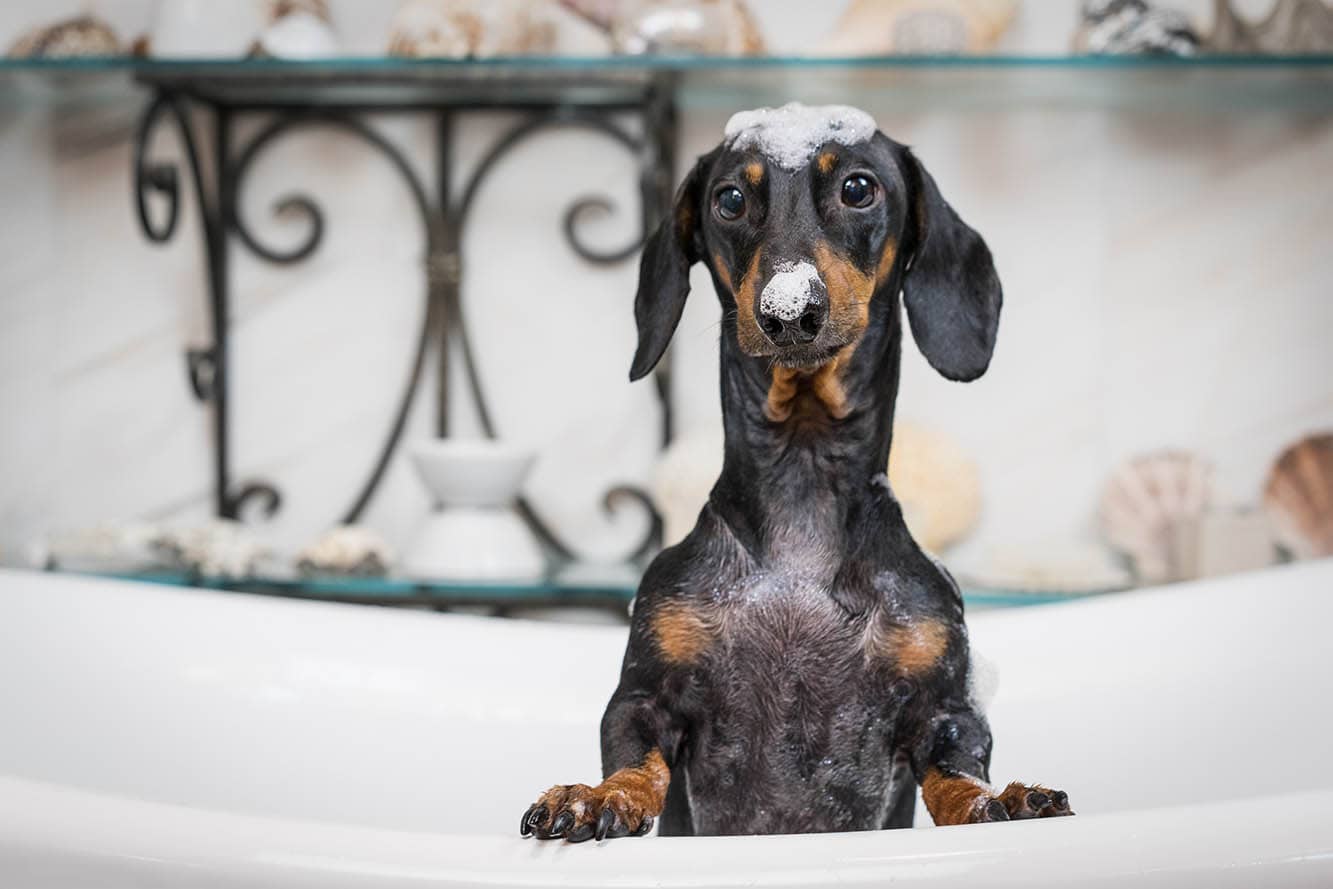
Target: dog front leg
638, 738
952, 762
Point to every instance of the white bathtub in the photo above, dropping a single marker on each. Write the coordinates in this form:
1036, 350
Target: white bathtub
181, 738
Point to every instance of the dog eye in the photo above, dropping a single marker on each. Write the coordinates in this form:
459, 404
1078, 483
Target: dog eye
858, 191
730, 203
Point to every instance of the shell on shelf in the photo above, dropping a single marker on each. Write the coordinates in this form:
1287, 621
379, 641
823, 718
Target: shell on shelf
641, 27
1150, 511
460, 29
347, 550
83, 35
883, 27
1298, 496
222, 548
1292, 26
297, 29
1134, 27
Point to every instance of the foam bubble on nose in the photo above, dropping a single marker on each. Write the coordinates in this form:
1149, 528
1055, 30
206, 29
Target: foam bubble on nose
788, 292
790, 135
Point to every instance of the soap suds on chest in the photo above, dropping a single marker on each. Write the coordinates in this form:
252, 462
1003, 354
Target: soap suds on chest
790, 135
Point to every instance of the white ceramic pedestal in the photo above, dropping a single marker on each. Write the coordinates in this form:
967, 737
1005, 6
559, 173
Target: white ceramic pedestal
474, 532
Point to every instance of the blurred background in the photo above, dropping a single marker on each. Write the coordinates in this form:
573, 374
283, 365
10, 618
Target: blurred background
1154, 181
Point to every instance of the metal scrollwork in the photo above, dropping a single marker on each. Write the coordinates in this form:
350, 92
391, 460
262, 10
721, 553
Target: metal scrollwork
505, 144
443, 316
206, 367
305, 206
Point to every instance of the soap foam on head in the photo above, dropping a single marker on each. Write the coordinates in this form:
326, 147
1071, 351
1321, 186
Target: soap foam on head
788, 292
791, 135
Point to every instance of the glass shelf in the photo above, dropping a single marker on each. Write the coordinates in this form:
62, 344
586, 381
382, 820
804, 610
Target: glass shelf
982, 83
605, 587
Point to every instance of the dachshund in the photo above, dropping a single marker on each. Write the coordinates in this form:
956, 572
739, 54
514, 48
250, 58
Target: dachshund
797, 663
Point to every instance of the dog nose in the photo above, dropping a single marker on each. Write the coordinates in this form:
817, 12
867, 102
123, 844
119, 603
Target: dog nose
793, 306
802, 329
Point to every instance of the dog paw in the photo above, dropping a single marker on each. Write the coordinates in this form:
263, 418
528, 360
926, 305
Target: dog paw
578, 812
1022, 801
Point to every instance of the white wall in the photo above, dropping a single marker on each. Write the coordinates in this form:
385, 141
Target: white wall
1166, 283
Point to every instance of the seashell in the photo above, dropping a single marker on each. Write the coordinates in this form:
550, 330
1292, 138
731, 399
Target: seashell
106, 548
297, 29
77, 37
460, 29
876, 27
1133, 27
224, 549
642, 27
1150, 511
1291, 27
347, 550
1298, 496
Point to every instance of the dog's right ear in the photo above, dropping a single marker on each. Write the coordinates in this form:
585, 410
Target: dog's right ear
664, 274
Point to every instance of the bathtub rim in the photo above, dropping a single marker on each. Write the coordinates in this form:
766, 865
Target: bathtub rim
47, 824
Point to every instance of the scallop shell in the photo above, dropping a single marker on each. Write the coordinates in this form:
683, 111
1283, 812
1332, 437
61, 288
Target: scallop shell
347, 550
222, 548
72, 38
1150, 511
1299, 497
1291, 27
884, 27
459, 29
707, 27
278, 9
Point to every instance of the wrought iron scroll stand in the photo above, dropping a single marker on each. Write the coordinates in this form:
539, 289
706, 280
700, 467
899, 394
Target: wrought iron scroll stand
216, 188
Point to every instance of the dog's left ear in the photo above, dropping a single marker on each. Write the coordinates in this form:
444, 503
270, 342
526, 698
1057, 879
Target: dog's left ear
664, 275
950, 287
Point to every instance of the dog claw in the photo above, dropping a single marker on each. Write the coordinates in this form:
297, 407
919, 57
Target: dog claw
536, 817
605, 823
562, 823
1024, 801
579, 813
581, 834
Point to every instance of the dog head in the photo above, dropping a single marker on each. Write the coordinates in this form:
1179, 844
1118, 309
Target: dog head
805, 217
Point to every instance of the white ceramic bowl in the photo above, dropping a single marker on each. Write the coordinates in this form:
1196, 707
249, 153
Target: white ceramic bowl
471, 472
463, 544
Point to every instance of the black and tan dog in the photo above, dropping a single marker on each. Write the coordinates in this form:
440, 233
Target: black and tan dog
797, 660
